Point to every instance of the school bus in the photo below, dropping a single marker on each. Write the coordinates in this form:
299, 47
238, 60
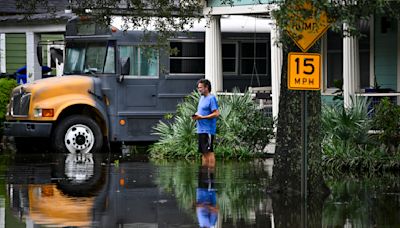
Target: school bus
115, 88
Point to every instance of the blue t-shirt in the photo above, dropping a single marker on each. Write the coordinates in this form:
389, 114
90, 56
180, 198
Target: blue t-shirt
206, 106
206, 198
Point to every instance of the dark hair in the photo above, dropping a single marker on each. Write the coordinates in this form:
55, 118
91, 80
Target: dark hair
206, 83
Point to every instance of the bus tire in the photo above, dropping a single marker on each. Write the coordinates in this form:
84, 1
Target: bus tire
77, 134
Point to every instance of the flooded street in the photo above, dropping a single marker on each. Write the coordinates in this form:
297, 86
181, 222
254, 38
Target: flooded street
57, 190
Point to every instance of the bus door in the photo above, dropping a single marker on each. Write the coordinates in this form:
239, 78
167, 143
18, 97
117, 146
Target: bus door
137, 93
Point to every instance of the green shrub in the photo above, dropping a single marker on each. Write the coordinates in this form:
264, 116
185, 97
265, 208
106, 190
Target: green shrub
349, 125
339, 157
347, 145
6, 86
387, 119
242, 130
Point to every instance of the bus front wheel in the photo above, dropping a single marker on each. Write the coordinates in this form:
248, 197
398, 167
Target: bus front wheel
77, 134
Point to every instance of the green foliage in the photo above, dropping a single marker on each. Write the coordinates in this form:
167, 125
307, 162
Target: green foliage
349, 125
347, 146
159, 16
242, 130
6, 86
387, 119
340, 157
339, 12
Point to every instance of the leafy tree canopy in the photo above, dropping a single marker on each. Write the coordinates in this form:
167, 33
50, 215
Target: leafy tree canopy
339, 12
166, 17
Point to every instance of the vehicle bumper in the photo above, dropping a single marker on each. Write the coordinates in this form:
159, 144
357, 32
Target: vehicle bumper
27, 129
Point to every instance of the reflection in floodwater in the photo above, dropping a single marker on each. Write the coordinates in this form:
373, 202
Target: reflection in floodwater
79, 167
49, 205
60, 190
206, 198
241, 198
54, 190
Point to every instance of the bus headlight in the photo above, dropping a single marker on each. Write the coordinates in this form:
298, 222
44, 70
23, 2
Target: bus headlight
43, 112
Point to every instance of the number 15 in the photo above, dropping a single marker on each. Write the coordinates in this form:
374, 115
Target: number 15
306, 63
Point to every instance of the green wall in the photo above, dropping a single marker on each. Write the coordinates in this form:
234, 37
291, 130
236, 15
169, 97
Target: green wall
15, 52
386, 52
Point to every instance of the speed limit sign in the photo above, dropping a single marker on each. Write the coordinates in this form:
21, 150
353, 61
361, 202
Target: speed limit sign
304, 71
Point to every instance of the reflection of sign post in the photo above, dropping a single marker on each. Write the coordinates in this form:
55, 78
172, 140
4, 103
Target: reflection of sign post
304, 71
306, 31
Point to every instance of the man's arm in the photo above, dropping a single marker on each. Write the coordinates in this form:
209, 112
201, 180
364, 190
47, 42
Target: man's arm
214, 114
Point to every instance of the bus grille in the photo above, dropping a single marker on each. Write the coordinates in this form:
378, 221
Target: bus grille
20, 104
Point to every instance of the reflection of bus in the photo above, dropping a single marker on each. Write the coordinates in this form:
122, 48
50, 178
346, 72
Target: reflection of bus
116, 87
59, 190
48, 205
58, 195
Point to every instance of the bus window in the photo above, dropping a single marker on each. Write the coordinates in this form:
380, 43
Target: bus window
109, 66
143, 60
75, 59
94, 59
90, 58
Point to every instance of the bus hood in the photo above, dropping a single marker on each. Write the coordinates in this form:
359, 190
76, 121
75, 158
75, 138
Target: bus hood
57, 86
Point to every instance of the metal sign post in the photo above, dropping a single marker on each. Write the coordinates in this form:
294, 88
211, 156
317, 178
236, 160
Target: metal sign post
304, 152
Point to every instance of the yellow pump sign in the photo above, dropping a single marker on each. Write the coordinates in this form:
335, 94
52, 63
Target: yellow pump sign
306, 31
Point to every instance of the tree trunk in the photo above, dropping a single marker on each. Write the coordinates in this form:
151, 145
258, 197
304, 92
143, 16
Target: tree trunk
287, 160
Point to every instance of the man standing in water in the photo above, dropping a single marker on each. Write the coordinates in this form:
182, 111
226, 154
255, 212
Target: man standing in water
206, 116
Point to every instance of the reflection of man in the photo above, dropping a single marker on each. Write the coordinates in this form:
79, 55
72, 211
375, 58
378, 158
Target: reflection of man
206, 199
206, 116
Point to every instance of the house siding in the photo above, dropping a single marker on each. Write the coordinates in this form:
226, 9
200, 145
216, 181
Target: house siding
15, 52
218, 3
386, 53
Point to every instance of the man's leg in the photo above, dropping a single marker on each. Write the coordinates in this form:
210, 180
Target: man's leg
204, 159
210, 154
211, 159
203, 144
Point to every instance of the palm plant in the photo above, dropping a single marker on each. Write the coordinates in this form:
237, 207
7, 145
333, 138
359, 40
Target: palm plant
242, 129
350, 125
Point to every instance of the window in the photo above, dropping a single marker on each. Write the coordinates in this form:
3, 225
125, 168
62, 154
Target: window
90, 58
229, 58
189, 58
143, 60
334, 58
334, 63
254, 60
364, 47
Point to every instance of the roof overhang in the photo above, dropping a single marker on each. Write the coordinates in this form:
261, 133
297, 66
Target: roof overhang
38, 23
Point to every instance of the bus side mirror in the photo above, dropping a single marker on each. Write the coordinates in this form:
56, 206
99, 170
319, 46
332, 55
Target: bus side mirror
125, 68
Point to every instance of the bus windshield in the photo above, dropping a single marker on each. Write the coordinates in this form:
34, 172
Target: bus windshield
90, 58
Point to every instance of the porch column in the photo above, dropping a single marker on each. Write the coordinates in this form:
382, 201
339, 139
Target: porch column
276, 68
213, 55
3, 53
33, 67
351, 69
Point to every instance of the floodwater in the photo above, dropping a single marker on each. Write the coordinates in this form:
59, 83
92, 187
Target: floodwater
57, 190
